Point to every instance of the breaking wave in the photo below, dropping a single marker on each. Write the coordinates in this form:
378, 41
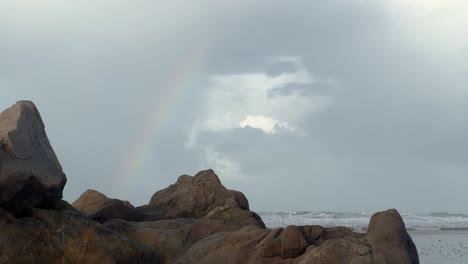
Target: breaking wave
358, 221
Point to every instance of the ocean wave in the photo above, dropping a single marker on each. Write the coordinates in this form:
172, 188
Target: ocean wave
359, 220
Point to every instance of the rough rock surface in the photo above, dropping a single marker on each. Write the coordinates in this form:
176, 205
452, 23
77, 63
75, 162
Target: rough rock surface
66, 236
170, 238
388, 237
101, 208
239, 246
30, 173
387, 242
200, 196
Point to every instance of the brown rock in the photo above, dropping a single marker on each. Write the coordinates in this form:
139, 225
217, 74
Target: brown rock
6, 217
313, 234
90, 202
337, 251
50, 236
101, 208
293, 243
272, 244
305, 244
194, 197
337, 232
362, 260
198, 196
391, 243
30, 173
231, 212
170, 238
237, 247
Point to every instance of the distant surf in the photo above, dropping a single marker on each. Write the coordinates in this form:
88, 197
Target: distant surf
358, 221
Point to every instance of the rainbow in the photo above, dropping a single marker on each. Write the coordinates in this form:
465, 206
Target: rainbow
175, 87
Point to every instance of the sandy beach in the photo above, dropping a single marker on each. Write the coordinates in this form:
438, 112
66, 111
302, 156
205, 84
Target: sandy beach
441, 246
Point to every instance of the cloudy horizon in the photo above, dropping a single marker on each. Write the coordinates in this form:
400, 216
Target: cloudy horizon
305, 105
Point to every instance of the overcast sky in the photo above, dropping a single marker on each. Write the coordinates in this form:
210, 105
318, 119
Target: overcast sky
301, 105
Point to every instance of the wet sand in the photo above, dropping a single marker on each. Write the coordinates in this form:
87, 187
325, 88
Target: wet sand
441, 246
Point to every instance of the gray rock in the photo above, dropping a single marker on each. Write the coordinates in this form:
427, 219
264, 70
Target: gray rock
30, 173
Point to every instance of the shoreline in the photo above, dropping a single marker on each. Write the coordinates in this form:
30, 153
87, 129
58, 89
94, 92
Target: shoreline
448, 245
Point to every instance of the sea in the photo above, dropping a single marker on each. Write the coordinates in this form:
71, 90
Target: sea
358, 221
440, 238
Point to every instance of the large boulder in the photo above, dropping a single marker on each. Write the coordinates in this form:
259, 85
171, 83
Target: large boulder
101, 208
65, 236
200, 196
389, 239
193, 197
385, 243
237, 247
30, 173
170, 238
197, 220
286, 243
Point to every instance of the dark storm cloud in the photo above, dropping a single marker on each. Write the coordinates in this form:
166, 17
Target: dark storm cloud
280, 67
321, 32
303, 89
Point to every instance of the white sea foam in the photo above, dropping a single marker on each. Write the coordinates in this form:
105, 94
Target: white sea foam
359, 221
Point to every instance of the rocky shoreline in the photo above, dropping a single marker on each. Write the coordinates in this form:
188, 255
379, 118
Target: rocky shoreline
195, 220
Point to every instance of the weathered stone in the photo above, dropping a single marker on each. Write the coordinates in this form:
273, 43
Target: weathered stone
313, 234
197, 197
233, 213
6, 217
338, 251
66, 236
235, 247
194, 197
362, 260
170, 238
272, 244
337, 232
390, 242
30, 173
293, 243
101, 208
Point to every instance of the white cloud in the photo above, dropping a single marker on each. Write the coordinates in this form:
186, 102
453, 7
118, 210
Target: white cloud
434, 26
264, 123
224, 122
239, 100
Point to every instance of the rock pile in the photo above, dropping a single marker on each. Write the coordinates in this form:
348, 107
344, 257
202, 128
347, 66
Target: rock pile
195, 220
